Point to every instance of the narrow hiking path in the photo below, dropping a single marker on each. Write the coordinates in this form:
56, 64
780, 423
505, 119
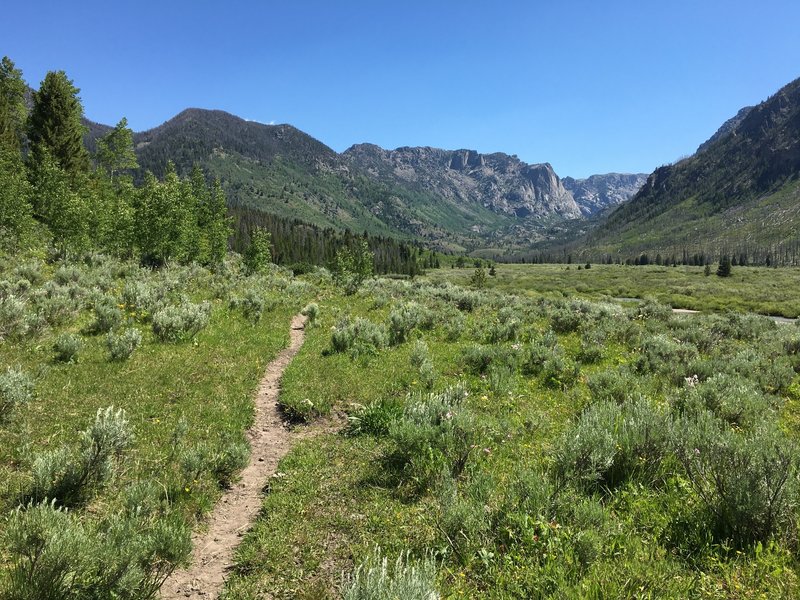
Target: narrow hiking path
238, 508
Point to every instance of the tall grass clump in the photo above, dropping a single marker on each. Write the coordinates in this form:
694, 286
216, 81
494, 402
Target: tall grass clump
377, 579
179, 323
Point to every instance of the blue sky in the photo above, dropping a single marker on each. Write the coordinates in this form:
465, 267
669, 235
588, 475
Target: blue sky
588, 86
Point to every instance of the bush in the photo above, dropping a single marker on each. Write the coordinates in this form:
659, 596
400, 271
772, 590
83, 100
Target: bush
376, 418
358, 337
652, 310
507, 326
122, 345
375, 579
566, 319
478, 359
611, 443
107, 315
179, 323
407, 317
67, 347
16, 388
68, 477
253, 305
560, 372
662, 354
311, 311
747, 480
55, 555
731, 398
434, 438
12, 317
617, 386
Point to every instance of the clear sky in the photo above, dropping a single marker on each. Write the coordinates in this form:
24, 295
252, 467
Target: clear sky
590, 86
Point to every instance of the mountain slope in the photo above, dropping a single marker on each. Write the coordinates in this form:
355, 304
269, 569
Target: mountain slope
741, 190
599, 192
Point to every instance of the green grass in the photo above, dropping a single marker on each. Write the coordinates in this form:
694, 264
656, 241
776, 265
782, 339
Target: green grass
336, 497
749, 289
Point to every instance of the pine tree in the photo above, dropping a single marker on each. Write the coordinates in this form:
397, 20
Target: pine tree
724, 269
115, 149
13, 111
55, 124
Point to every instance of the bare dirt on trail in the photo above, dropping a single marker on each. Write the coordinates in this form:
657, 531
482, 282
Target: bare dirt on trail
238, 508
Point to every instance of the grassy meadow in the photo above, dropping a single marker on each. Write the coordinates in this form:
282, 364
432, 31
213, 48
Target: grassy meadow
527, 440
759, 290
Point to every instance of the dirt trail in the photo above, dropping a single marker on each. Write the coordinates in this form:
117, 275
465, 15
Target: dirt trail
238, 508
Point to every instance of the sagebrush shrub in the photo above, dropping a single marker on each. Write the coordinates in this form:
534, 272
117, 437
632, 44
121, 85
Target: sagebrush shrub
434, 438
122, 345
16, 388
359, 336
747, 480
614, 386
107, 315
311, 310
376, 579
478, 359
12, 317
253, 304
662, 354
611, 443
732, 398
57, 555
69, 476
406, 318
179, 323
67, 347
560, 372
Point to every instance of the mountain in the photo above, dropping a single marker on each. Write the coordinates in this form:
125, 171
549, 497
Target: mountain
599, 192
457, 200
726, 128
499, 182
740, 193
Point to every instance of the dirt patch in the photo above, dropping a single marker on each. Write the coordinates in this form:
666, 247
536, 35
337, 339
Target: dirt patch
238, 508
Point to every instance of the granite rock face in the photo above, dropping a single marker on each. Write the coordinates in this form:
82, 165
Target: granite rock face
598, 192
499, 182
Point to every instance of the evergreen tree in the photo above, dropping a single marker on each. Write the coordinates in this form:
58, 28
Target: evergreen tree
115, 149
13, 111
724, 269
478, 278
55, 125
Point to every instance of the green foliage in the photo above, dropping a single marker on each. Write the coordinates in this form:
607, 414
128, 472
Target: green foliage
257, 257
407, 317
181, 323
67, 347
478, 279
724, 268
69, 477
15, 209
376, 418
311, 310
115, 151
434, 438
747, 480
376, 579
16, 389
352, 265
55, 126
13, 111
122, 345
359, 336
58, 557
